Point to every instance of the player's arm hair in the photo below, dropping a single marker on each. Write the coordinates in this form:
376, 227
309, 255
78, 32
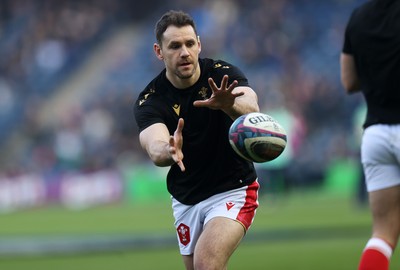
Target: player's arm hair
348, 74
155, 141
244, 104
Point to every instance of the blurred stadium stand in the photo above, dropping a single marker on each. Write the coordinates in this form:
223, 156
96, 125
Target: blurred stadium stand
70, 71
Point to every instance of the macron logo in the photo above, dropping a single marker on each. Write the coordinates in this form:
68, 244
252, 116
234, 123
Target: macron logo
177, 108
229, 205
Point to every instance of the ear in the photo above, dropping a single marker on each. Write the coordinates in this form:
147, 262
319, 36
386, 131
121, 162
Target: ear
158, 51
198, 41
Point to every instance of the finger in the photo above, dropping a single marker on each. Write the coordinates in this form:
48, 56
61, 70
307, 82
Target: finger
181, 123
232, 86
238, 94
171, 141
200, 103
224, 82
181, 166
172, 151
212, 84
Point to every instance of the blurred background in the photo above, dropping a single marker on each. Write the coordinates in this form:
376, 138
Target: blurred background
70, 72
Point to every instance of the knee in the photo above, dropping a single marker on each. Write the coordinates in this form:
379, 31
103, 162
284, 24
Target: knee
204, 263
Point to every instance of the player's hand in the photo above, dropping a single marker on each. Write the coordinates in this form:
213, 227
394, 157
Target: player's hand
222, 98
175, 145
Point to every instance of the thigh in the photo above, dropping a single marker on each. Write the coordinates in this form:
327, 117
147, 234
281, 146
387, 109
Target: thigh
219, 239
188, 262
189, 220
380, 164
229, 216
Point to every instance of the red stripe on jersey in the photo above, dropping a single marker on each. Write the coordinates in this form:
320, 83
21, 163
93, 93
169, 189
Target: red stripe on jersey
247, 212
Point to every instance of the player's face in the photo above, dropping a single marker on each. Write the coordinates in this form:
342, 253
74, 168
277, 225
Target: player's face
180, 50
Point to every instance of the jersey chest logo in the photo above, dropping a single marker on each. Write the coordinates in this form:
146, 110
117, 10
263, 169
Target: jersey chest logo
203, 93
177, 108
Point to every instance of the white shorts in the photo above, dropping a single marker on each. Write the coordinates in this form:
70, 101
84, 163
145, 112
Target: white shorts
238, 204
380, 156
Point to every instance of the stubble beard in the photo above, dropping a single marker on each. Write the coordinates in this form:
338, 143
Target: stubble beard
186, 75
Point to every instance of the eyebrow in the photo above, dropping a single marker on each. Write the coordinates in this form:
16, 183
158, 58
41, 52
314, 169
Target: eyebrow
175, 42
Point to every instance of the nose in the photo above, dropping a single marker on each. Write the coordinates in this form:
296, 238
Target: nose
184, 51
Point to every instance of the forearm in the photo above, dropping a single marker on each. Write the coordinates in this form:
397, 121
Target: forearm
163, 149
244, 104
154, 140
159, 153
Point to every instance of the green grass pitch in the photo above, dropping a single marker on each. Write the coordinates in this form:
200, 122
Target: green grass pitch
302, 231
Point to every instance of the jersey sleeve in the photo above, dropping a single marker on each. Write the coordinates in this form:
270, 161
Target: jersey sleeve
146, 112
222, 68
347, 46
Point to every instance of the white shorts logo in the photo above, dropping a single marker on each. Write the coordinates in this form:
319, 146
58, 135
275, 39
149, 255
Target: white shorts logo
184, 234
229, 205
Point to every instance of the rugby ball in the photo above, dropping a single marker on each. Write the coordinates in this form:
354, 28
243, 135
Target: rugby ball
257, 137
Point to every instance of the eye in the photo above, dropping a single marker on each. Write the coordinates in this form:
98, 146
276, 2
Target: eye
174, 46
190, 44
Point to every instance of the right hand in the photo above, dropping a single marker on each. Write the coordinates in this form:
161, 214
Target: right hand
175, 145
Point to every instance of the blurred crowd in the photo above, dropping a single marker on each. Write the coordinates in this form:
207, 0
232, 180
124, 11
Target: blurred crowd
288, 49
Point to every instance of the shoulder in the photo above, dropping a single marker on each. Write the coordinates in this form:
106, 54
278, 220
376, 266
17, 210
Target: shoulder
149, 106
218, 68
152, 89
216, 64
361, 13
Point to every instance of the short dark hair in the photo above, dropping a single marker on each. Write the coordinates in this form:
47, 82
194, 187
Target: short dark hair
173, 17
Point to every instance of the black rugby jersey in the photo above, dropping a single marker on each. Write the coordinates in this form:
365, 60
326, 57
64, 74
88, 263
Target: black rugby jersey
373, 38
211, 164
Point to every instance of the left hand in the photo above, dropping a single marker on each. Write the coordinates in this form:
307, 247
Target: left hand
222, 98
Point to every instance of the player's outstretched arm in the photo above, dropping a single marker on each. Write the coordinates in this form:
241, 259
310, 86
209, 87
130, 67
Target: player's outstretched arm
163, 149
234, 101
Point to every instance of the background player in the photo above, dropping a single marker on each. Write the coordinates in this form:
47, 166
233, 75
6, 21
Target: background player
370, 62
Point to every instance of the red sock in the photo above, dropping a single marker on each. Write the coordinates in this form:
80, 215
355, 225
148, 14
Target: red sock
376, 255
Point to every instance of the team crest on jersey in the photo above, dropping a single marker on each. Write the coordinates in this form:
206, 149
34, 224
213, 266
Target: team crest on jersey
203, 92
151, 91
177, 109
183, 234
